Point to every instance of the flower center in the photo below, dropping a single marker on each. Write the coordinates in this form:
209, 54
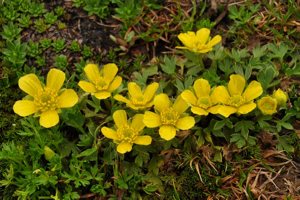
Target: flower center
46, 100
236, 100
139, 101
101, 84
269, 105
204, 102
127, 134
169, 116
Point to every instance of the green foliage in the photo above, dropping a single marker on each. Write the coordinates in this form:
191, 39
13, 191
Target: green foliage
10, 32
99, 8
58, 45
50, 18
128, 11
74, 160
61, 62
15, 53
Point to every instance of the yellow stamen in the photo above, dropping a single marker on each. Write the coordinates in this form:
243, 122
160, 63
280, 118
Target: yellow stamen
236, 100
204, 102
126, 134
46, 100
169, 116
101, 84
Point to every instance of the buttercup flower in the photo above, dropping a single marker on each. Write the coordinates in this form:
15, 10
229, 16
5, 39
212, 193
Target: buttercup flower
139, 99
127, 133
101, 82
168, 117
267, 105
198, 42
200, 99
45, 101
280, 96
234, 99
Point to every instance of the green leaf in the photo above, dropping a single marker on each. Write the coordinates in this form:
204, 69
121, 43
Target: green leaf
87, 152
219, 125
285, 125
266, 76
150, 71
238, 139
179, 85
244, 127
284, 144
169, 65
259, 51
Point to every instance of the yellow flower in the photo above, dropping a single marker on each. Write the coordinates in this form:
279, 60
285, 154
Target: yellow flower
199, 99
168, 117
198, 42
281, 97
45, 101
102, 82
234, 99
139, 99
267, 105
127, 133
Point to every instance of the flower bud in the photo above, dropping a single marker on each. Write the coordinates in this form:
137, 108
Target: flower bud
281, 97
48, 153
267, 105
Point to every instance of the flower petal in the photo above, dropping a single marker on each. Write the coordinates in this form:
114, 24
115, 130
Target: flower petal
189, 97
121, 98
267, 105
24, 107
109, 72
280, 96
87, 86
109, 133
102, 95
253, 91
246, 108
236, 84
49, 118
67, 99
134, 90
214, 41
30, 84
151, 119
137, 122
220, 95
188, 39
214, 109
199, 111
115, 83
124, 147
181, 47
161, 102
204, 49
202, 88
55, 79
185, 123
135, 107
180, 105
150, 91
92, 72
226, 111
143, 140
120, 118
167, 132
203, 35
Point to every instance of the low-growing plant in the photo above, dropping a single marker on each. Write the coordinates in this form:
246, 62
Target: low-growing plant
201, 121
15, 53
58, 45
61, 62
